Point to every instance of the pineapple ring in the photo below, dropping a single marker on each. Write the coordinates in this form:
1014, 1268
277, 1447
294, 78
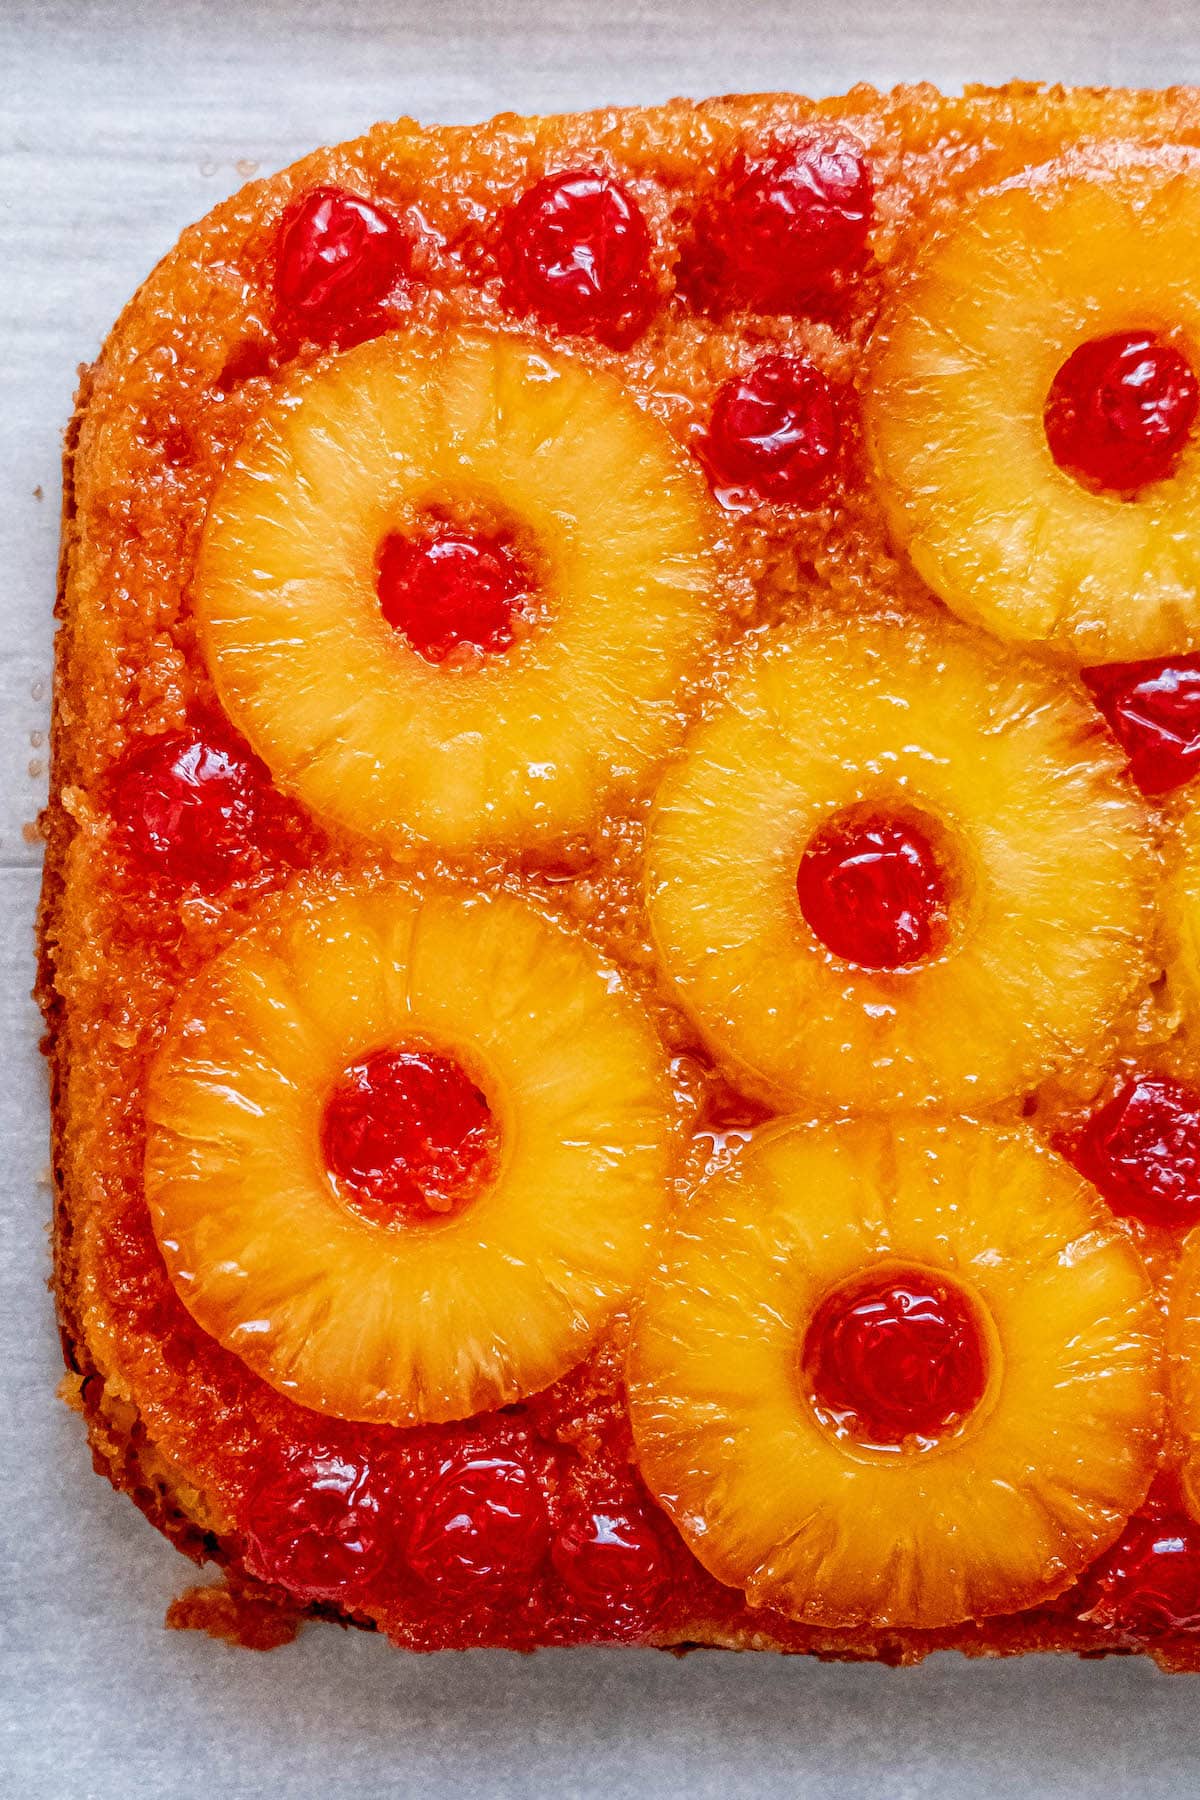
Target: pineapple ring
1045, 840
350, 718
1183, 1347
1182, 909
959, 377
997, 1515
416, 1322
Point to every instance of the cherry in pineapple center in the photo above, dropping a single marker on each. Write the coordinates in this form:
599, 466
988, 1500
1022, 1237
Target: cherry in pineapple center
455, 593
873, 889
408, 1137
895, 1355
1120, 411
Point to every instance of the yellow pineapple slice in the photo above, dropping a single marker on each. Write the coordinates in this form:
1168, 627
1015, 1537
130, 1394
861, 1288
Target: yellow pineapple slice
1182, 908
964, 362
1040, 846
606, 517
1183, 1347
995, 1248
407, 1314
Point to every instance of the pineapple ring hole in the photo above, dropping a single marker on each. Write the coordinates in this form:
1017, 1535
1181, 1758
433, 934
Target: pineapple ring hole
875, 885
1120, 411
409, 1136
898, 1357
460, 581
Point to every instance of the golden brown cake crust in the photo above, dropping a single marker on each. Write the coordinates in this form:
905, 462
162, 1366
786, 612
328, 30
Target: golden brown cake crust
189, 363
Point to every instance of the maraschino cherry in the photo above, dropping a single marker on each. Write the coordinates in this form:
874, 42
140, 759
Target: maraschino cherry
408, 1135
610, 1560
196, 807
872, 890
786, 227
895, 1355
445, 588
1148, 1585
1142, 1151
1120, 411
337, 258
773, 434
317, 1522
575, 250
1153, 709
481, 1528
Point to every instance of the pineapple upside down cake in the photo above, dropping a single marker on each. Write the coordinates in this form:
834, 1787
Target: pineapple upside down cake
621, 938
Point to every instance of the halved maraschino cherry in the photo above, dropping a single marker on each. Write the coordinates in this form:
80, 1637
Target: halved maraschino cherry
1148, 1585
611, 1561
446, 588
337, 257
774, 432
575, 250
196, 806
408, 1136
1142, 1151
316, 1522
896, 1355
1120, 411
1153, 709
785, 229
481, 1528
873, 891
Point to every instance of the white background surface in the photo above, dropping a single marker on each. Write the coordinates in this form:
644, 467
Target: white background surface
120, 124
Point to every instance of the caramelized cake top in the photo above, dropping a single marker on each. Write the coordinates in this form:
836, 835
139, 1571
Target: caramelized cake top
659, 387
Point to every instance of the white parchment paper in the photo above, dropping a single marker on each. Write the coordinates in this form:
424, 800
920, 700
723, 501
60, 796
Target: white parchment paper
119, 124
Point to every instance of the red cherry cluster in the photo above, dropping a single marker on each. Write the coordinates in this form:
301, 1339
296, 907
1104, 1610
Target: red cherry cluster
471, 1522
486, 1526
784, 232
781, 234
345, 1526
